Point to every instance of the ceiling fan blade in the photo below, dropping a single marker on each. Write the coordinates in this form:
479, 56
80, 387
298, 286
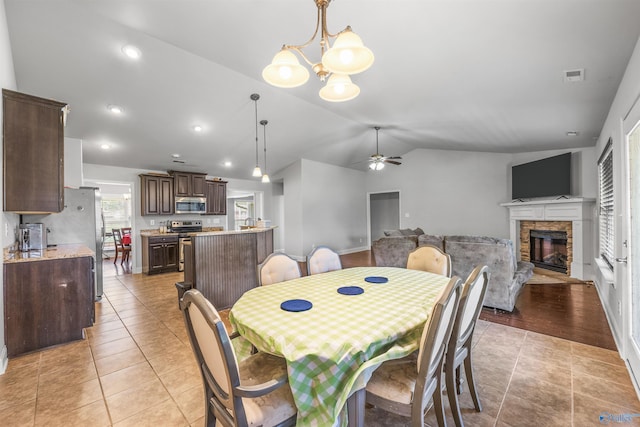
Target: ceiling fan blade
395, 157
393, 162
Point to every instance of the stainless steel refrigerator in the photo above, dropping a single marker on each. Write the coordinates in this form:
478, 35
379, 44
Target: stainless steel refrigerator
81, 221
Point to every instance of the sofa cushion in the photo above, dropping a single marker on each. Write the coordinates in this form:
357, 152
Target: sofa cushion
418, 231
392, 233
393, 251
431, 240
407, 232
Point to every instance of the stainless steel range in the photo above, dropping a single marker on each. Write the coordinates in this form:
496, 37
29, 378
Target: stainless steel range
182, 227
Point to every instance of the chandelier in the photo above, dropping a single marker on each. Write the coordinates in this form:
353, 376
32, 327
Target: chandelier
347, 56
257, 172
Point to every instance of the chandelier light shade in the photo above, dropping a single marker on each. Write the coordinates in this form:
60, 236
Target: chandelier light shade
265, 177
339, 88
376, 165
346, 57
285, 71
256, 171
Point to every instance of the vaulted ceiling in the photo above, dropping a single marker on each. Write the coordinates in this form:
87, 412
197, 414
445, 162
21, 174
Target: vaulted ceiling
448, 74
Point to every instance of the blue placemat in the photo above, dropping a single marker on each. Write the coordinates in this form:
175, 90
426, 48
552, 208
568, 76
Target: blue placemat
376, 279
296, 305
350, 290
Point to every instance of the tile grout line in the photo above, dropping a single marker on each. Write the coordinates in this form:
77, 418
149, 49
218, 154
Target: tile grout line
513, 371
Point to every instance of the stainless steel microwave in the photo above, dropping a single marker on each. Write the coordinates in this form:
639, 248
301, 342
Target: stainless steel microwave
191, 205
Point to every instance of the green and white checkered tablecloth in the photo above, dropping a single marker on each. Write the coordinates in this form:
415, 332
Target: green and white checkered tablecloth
332, 349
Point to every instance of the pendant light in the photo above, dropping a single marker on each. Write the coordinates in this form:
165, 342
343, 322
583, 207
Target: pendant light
265, 177
256, 171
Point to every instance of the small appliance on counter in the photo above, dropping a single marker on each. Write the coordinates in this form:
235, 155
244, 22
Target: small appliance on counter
32, 237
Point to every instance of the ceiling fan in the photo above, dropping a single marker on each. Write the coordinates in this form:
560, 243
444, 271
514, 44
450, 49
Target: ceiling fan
377, 160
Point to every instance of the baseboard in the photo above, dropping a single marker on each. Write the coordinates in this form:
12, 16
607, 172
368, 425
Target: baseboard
4, 360
612, 325
354, 250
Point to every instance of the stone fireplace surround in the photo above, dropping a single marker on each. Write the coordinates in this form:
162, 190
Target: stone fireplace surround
575, 216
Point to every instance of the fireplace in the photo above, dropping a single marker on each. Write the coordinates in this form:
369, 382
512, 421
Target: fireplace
548, 249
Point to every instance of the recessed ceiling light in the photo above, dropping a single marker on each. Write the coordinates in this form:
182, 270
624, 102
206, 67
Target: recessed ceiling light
572, 133
131, 51
115, 109
175, 156
105, 146
197, 128
228, 164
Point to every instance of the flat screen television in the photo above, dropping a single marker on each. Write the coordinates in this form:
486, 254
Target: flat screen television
543, 178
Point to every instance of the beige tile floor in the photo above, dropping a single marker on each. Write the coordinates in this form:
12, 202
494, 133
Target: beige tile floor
136, 369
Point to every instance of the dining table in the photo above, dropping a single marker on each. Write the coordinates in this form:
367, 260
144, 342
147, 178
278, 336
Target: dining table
334, 329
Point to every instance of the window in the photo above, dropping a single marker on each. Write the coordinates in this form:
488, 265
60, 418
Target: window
116, 209
606, 218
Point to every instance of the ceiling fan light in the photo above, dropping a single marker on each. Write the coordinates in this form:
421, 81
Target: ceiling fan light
339, 88
285, 71
257, 172
376, 165
348, 55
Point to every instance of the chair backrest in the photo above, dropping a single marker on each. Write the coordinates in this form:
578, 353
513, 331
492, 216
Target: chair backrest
278, 267
431, 259
437, 330
323, 259
473, 292
215, 355
125, 231
117, 237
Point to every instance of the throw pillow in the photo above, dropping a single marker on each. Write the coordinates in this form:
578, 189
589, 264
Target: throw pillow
418, 231
407, 232
392, 233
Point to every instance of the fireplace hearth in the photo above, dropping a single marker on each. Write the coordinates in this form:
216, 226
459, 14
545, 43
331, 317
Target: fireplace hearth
548, 249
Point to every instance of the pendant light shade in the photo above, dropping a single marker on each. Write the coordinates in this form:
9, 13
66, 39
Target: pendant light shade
256, 171
348, 54
339, 88
285, 71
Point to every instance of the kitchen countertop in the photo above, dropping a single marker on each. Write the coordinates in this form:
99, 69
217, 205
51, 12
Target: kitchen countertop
56, 252
209, 231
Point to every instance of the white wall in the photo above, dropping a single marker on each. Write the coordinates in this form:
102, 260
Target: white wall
8, 221
73, 162
333, 208
291, 238
628, 94
445, 192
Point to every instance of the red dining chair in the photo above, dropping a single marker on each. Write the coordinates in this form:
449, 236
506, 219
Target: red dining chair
125, 250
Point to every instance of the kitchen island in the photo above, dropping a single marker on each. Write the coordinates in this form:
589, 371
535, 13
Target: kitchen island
222, 265
48, 297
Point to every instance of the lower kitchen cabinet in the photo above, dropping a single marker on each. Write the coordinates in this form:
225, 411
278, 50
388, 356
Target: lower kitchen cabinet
47, 302
160, 254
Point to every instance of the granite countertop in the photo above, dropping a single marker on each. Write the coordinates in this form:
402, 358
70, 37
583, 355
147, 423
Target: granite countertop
55, 252
206, 231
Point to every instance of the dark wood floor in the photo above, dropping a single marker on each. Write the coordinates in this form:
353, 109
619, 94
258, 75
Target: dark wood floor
568, 309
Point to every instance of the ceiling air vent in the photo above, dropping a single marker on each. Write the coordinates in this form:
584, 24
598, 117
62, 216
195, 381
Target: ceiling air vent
571, 76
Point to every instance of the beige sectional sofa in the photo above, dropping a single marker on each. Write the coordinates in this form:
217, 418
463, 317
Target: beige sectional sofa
506, 274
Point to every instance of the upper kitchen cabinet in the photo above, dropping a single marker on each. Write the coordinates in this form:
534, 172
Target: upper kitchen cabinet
33, 153
187, 184
216, 197
156, 194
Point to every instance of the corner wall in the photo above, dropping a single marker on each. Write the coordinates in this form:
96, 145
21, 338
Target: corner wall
8, 221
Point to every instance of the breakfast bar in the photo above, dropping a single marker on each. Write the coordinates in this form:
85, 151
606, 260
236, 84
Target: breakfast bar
222, 264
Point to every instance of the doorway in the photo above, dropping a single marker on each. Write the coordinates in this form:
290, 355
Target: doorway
628, 266
243, 208
383, 213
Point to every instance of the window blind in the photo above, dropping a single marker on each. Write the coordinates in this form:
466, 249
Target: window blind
606, 218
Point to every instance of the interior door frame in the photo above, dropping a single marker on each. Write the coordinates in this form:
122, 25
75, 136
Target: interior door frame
369, 194
626, 271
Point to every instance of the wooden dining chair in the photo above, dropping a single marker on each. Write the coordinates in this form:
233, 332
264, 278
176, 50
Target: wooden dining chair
278, 267
252, 392
431, 259
121, 248
459, 348
323, 259
405, 386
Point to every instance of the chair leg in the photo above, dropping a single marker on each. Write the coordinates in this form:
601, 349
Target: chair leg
451, 375
115, 257
437, 404
458, 381
468, 368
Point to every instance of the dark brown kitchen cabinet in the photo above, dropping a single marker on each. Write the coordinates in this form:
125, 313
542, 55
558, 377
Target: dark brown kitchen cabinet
187, 184
163, 254
47, 302
216, 197
33, 154
156, 195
